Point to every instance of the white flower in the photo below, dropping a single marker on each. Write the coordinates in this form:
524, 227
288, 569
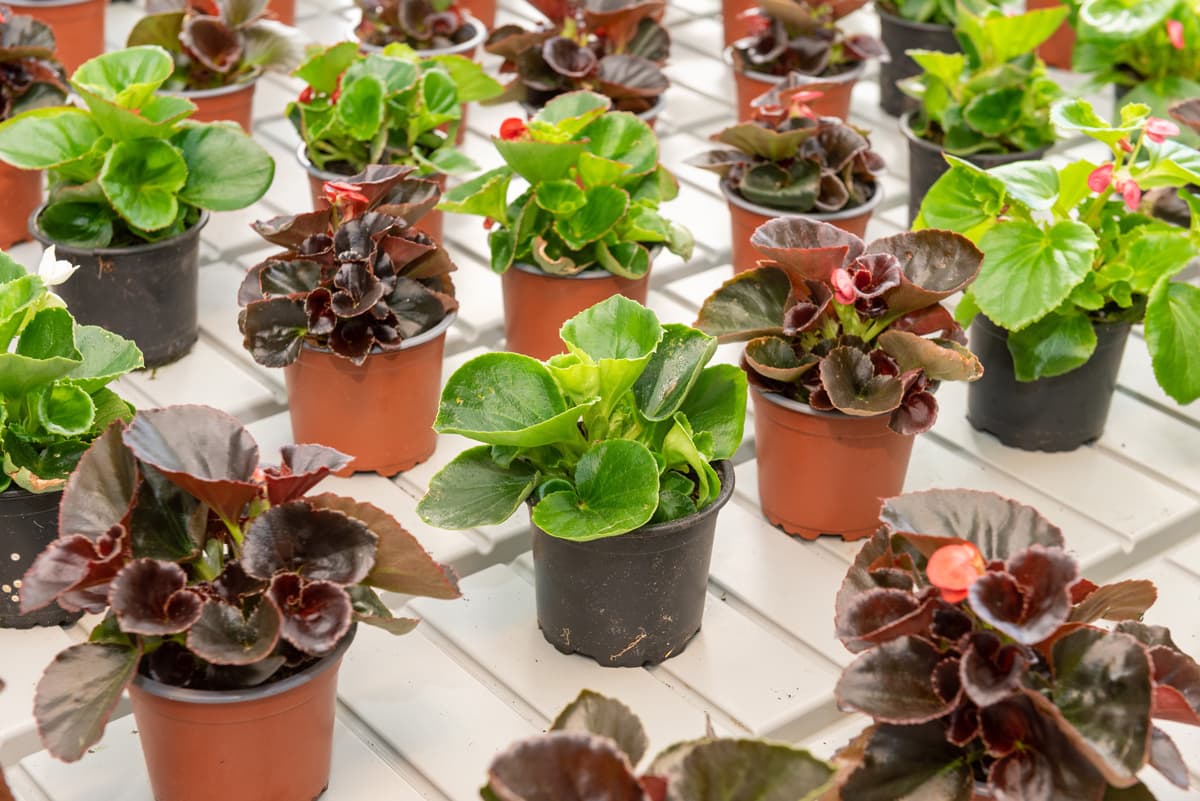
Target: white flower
54, 271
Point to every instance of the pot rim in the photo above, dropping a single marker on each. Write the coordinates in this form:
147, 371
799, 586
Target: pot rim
589, 274
930, 147
144, 247
220, 91
804, 408
901, 22
473, 43
267, 690
408, 344
852, 74
660, 104
734, 198
51, 3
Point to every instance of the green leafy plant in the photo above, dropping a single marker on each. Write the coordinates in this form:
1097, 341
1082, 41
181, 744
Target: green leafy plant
595, 184
421, 24
30, 75
391, 107
618, 432
217, 43
212, 573
982, 661
130, 167
994, 97
788, 158
53, 377
1066, 247
595, 744
794, 36
934, 12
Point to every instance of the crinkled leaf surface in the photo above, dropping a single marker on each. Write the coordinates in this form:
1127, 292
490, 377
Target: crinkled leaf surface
605, 717
910, 762
312, 542
893, 683
997, 526
224, 636
563, 766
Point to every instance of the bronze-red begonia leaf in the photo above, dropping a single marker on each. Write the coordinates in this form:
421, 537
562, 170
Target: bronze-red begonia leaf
564, 766
151, 598
224, 636
99, 494
314, 615
315, 543
893, 683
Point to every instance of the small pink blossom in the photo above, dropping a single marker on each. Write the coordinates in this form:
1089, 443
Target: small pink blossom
1175, 33
1131, 192
1125, 145
1100, 178
843, 286
1158, 129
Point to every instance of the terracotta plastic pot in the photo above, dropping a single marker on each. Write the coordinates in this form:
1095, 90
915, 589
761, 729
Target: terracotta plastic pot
147, 293
834, 103
381, 412
736, 26
270, 742
536, 304
926, 163
283, 10
235, 103
22, 193
1060, 413
78, 26
432, 223
900, 35
1059, 48
28, 523
745, 217
631, 600
825, 472
482, 10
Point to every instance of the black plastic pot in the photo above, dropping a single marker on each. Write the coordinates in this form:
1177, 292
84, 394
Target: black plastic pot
1049, 414
147, 293
900, 35
631, 600
926, 164
28, 523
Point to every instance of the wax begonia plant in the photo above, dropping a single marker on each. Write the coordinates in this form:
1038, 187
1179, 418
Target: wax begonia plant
796, 36
420, 24
614, 47
840, 325
988, 663
30, 76
933, 12
212, 573
357, 275
1066, 247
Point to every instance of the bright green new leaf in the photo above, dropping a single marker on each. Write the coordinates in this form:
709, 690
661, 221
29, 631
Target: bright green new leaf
127, 77
1077, 114
1034, 183
572, 112
360, 108
472, 490
472, 83
106, 357
485, 195
621, 136
80, 225
142, 179
963, 199
65, 409
616, 490
1056, 344
616, 328
560, 198
673, 370
47, 137
226, 169
539, 161
322, 69
716, 404
1172, 331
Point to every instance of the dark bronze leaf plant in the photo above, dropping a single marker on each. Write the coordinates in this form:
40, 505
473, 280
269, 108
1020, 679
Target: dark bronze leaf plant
30, 75
796, 36
420, 24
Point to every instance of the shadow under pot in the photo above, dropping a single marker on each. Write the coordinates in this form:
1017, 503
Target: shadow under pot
825, 472
78, 26
927, 163
537, 303
274, 741
234, 103
899, 36
146, 292
745, 217
28, 524
380, 412
834, 102
1060, 413
432, 223
631, 600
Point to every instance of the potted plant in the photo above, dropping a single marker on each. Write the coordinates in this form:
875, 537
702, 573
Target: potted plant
229, 597
990, 105
131, 183
845, 346
586, 227
738, 17
53, 377
78, 26
220, 48
1090, 264
982, 660
391, 107
356, 312
791, 37
595, 744
616, 49
431, 27
620, 448
914, 25
33, 79
787, 161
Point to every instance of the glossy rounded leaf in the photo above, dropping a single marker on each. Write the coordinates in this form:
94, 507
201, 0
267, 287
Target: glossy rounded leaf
314, 615
616, 328
79, 225
848, 375
749, 305
571, 112
999, 527
319, 544
1172, 329
227, 170
716, 404
100, 492
302, 468
893, 683
933, 266
1054, 345
106, 356
142, 179
604, 207
1126, 19
224, 636
561, 197
726, 769
616, 490
539, 161
151, 598
1034, 183
65, 410
672, 370
47, 137
127, 77
940, 360
563, 766
622, 137
776, 359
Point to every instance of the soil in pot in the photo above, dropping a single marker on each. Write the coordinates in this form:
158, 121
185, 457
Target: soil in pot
147, 292
900, 35
274, 741
78, 26
835, 101
926, 164
22, 193
631, 600
1059, 48
380, 412
28, 523
234, 103
283, 10
849, 465
536, 304
1050, 414
745, 217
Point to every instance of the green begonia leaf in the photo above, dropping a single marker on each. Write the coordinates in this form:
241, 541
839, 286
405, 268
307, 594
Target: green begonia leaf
616, 490
673, 370
1172, 331
716, 404
141, 179
227, 170
472, 490
47, 137
1056, 344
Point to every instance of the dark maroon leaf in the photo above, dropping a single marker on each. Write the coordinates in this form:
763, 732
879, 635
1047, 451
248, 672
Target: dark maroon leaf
916, 413
76, 571
353, 339
951, 623
166, 522
934, 264
273, 330
1025, 774
564, 766
224, 636
315, 543
211, 42
233, 584
849, 376
1166, 759
806, 248
1125, 600
893, 683
1006, 725
315, 615
282, 277
566, 57
596, 714
1147, 634
510, 41
302, 468
150, 597
864, 47
1031, 600
1178, 670
946, 681
290, 231
963, 726
881, 615
371, 610
991, 672
910, 762
625, 76
99, 493
808, 310
78, 693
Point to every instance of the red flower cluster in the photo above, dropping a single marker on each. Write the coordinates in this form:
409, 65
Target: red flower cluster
953, 569
1100, 179
512, 129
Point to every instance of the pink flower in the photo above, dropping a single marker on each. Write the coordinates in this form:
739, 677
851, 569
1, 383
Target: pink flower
953, 569
348, 199
1131, 192
1125, 145
843, 286
1100, 178
1175, 33
1159, 129
799, 104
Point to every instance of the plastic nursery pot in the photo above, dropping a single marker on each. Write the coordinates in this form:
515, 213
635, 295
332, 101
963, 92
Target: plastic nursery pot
900, 35
736, 26
78, 26
432, 223
631, 600
274, 741
835, 102
825, 472
380, 412
926, 164
283, 10
22, 193
536, 303
745, 217
28, 523
482, 10
1058, 49
1050, 414
147, 292
234, 103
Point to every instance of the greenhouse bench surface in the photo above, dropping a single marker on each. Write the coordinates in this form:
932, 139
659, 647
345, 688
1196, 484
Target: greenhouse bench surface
421, 716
